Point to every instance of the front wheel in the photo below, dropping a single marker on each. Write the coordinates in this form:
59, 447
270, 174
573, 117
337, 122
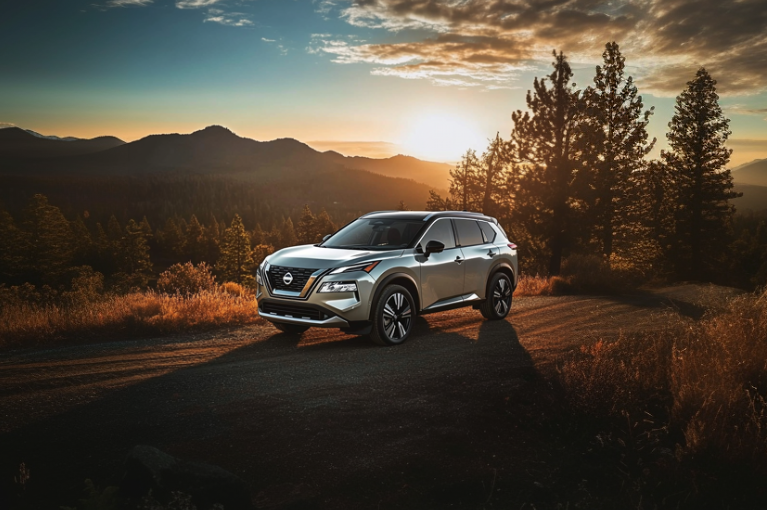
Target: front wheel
393, 315
498, 302
291, 329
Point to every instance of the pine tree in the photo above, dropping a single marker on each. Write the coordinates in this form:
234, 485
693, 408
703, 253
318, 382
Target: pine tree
212, 236
287, 234
464, 185
323, 226
49, 249
437, 203
614, 144
11, 248
133, 263
402, 206
172, 239
82, 242
697, 159
236, 262
195, 246
490, 175
306, 231
542, 144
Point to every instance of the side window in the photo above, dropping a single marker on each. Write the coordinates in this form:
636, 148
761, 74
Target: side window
469, 233
440, 231
488, 231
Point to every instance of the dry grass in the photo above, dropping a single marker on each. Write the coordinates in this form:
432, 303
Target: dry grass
23, 324
705, 382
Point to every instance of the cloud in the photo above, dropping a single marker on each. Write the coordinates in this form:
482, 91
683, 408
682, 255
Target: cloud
739, 109
128, 3
489, 41
194, 4
747, 144
7, 125
267, 40
230, 20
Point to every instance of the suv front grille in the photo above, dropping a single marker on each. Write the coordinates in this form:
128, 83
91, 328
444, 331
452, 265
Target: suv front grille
300, 277
295, 311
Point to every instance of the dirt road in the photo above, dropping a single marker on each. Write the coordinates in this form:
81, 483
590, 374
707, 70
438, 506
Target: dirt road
456, 417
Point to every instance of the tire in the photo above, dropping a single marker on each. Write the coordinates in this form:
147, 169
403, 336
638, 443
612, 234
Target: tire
393, 316
498, 302
290, 329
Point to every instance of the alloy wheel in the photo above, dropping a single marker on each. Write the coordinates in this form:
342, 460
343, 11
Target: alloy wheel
397, 317
502, 296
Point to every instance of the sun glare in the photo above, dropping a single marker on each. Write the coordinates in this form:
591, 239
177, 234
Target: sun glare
441, 137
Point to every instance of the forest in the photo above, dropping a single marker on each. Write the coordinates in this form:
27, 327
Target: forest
572, 180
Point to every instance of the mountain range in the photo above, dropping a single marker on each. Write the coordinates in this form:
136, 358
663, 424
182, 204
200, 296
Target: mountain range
212, 150
352, 182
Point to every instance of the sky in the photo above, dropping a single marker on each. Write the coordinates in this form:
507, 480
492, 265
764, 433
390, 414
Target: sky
427, 78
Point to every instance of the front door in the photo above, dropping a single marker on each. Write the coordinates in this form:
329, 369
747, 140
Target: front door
441, 273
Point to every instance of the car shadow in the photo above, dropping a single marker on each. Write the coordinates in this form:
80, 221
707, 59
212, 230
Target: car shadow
337, 423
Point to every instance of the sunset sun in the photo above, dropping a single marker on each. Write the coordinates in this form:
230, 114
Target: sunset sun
441, 137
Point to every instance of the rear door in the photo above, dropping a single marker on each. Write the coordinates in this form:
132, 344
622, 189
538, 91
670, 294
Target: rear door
441, 273
479, 252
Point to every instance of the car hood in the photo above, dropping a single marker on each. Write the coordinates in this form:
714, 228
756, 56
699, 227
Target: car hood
314, 257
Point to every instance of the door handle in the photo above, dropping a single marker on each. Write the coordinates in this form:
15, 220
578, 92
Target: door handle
459, 260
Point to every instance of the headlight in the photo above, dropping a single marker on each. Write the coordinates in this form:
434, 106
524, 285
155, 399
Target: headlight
365, 266
338, 287
258, 276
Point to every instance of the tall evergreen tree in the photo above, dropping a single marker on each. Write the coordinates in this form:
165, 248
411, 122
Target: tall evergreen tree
464, 184
437, 203
172, 239
49, 249
195, 247
133, 263
614, 142
490, 175
542, 143
323, 226
287, 234
11, 249
697, 159
306, 231
236, 261
82, 242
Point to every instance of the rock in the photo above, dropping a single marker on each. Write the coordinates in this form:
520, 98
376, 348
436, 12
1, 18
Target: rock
147, 468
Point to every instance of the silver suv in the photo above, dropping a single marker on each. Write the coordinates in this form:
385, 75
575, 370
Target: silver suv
375, 274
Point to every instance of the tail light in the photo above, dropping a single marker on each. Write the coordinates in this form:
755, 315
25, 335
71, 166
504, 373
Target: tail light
512, 246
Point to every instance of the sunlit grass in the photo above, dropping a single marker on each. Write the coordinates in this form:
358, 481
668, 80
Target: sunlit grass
121, 316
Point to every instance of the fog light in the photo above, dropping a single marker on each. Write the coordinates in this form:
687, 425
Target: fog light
338, 287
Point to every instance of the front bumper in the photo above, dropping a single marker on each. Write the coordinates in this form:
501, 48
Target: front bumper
319, 309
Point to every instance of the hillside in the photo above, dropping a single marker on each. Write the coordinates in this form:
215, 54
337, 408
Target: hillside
754, 173
212, 172
433, 174
19, 144
754, 198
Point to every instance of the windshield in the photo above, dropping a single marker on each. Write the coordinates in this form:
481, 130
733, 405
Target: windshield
375, 234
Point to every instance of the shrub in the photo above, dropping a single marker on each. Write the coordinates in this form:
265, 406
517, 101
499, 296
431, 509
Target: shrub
708, 380
186, 279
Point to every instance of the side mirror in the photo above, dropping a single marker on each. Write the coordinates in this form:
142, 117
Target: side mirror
326, 237
434, 247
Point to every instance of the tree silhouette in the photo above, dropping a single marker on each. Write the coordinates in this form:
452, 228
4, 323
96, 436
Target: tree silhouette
703, 186
195, 246
236, 262
464, 185
306, 232
614, 144
542, 147
48, 241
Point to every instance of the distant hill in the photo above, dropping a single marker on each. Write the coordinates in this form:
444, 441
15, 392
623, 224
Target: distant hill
21, 144
433, 174
754, 173
754, 198
215, 165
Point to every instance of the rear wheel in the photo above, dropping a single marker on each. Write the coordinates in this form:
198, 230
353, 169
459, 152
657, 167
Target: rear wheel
498, 302
393, 315
291, 329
